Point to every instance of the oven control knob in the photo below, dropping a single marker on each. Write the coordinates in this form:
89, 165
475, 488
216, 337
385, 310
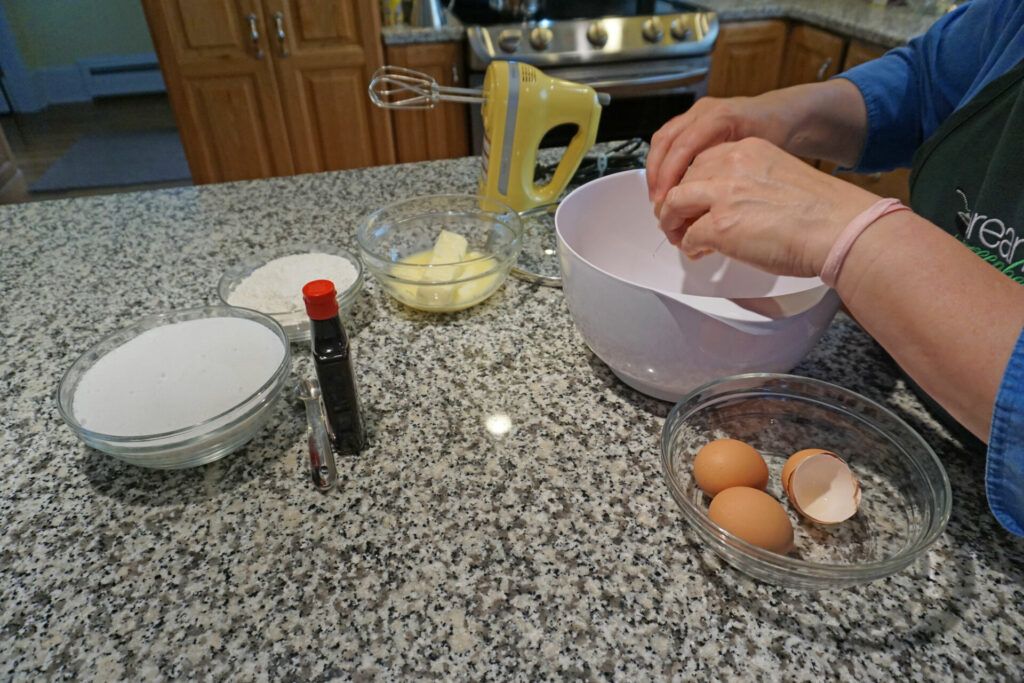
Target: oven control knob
540, 37
653, 30
597, 34
680, 31
509, 40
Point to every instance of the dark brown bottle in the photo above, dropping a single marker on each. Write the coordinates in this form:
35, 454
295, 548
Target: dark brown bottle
332, 358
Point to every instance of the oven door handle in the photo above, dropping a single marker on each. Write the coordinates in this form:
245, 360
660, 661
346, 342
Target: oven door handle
648, 85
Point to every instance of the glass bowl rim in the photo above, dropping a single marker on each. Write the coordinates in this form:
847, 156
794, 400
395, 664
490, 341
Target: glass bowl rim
525, 275
196, 313
265, 256
723, 541
370, 219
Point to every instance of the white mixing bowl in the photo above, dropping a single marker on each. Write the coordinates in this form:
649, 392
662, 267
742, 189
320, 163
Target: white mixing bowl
665, 324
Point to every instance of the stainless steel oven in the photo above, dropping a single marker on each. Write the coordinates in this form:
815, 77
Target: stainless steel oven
654, 64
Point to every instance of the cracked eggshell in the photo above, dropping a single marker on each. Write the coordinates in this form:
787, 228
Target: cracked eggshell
823, 489
793, 461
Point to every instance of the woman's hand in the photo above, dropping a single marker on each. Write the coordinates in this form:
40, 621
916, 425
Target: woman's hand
709, 122
817, 120
756, 203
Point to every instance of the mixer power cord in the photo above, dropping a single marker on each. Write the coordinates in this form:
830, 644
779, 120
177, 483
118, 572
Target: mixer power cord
622, 157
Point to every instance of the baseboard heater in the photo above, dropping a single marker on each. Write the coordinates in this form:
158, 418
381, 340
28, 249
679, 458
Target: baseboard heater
121, 75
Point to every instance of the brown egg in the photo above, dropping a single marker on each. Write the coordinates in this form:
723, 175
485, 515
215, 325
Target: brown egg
755, 517
725, 463
793, 461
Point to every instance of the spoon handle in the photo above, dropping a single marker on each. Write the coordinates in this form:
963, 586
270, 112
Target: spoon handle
322, 467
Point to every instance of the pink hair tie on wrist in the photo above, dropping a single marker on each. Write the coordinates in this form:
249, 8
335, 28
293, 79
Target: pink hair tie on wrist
849, 235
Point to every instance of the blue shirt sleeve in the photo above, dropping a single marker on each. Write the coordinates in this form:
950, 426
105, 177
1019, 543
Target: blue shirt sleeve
911, 90
1004, 471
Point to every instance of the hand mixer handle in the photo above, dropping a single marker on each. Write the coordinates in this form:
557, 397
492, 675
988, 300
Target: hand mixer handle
577, 104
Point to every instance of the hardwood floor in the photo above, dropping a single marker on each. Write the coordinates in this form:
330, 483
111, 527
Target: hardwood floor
38, 140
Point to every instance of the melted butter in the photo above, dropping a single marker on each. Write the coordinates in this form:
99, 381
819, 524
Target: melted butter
472, 288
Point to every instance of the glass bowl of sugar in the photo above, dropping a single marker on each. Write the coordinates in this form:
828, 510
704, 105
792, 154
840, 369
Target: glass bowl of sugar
271, 282
177, 389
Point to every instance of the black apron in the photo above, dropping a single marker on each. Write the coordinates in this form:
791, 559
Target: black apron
968, 179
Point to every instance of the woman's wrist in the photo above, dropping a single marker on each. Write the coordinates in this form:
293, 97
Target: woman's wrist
848, 203
849, 235
872, 254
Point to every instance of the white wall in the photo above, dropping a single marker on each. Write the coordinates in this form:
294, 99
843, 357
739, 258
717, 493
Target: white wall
47, 49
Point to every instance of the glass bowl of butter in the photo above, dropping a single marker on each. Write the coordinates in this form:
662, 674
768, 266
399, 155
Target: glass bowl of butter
441, 253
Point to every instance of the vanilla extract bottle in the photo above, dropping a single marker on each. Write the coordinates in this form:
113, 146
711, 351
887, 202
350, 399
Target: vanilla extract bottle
332, 358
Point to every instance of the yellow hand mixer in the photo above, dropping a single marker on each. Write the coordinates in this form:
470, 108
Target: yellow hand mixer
520, 105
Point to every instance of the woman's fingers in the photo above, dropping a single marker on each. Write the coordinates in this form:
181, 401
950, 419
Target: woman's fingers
699, 239
660, 144
683, 204
704, 134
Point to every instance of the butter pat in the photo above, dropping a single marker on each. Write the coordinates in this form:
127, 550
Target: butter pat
450, 247
449, 261
446, 258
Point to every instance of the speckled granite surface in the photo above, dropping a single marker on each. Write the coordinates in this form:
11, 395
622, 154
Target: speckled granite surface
552, 552
404, 34
888, 26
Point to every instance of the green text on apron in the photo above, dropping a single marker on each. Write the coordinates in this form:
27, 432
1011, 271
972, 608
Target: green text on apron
968, 178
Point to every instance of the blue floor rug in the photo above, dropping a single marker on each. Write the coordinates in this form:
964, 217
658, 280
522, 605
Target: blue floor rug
115, 159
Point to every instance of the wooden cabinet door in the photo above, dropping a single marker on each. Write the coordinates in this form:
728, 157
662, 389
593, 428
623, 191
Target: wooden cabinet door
442, 132
893, 183
325, 52
812, 55
747, 58
220, 80
859, 52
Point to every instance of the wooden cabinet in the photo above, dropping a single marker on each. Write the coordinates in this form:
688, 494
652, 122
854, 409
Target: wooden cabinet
442, 132
894, 183
747, 59
12, 182
266, 88
323, 69
812, 55
859, 52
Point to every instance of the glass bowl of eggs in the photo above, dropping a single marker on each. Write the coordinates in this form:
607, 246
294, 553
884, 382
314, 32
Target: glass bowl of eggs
441, 253
801, 483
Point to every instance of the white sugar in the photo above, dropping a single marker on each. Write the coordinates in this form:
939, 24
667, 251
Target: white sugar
176, 376
276, 286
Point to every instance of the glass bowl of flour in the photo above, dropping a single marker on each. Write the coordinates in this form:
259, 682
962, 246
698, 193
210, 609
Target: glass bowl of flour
271, 282
178, 389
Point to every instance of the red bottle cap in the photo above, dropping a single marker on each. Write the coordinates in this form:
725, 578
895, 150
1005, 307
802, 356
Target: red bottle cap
321, 299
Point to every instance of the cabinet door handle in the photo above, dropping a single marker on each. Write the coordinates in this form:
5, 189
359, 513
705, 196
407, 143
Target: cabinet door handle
279, 23
825, 66
455, 74
254, 35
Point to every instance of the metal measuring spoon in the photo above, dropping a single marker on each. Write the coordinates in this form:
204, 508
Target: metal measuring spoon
322, 467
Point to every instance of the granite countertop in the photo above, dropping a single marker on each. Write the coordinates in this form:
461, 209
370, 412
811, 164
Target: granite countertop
886, 26
403, 34
553, 551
